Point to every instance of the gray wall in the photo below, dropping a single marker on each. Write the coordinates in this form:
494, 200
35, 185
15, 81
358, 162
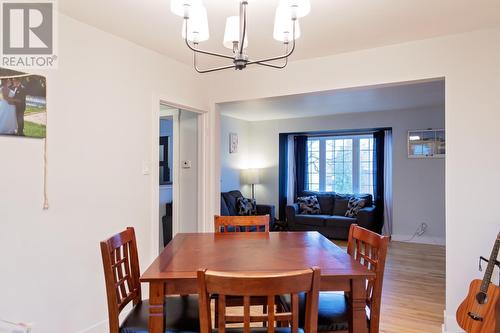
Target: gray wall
188, 178
233, 164
418, 185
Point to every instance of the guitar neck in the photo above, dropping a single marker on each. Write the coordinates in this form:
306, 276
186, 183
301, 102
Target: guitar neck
491, 266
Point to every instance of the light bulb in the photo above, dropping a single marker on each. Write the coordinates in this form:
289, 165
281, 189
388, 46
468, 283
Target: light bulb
299, 8
283, 25
197, 25
232, 32
183, 7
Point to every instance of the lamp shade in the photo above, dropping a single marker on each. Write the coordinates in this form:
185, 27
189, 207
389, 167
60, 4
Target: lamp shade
283, 25
252, 176
197, 25
181, 7
298, 7
232, 32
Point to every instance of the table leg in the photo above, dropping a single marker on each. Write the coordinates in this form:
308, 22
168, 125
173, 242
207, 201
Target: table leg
156, 305
358, 322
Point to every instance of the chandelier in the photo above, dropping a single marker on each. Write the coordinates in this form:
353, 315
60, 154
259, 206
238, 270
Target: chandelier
195, 31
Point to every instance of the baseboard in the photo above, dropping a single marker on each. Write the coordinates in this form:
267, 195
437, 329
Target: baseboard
419, 239
450, 324
99, 327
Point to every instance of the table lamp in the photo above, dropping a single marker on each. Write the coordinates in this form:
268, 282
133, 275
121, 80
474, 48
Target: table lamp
252, 178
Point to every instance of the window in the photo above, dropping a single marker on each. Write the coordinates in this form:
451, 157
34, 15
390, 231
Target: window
340, 164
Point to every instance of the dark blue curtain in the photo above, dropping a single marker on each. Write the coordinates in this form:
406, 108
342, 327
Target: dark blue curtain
300, 152
378, 179
283, 175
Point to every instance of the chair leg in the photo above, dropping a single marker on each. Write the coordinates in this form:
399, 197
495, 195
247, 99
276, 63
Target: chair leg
216, 312
264, 311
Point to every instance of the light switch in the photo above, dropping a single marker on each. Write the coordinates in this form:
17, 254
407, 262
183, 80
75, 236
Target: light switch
146, 168
186, 164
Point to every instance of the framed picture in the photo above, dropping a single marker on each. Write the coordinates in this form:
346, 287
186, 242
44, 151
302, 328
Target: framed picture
23, 106
430, 143
233, 143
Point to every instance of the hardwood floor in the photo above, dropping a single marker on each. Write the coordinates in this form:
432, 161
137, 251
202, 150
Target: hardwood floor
413, 296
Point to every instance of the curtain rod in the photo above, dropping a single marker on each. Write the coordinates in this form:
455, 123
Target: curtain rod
340, 132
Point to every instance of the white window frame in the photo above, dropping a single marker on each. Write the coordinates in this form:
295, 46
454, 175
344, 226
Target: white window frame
356, 171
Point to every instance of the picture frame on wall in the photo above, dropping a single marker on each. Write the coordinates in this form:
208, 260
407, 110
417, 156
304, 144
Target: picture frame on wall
23, 104
233, 143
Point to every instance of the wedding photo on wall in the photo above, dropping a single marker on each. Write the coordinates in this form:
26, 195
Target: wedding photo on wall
23, 105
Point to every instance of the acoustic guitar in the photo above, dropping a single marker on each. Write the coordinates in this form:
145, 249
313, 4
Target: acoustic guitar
480, 311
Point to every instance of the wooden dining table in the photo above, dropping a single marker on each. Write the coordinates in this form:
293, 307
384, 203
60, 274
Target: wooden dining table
174, 271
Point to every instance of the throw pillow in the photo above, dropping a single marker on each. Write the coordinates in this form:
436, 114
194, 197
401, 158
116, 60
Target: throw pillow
246, 206
354, 206
309, 205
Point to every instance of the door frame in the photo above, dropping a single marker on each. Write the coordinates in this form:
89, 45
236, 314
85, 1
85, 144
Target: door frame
203, 120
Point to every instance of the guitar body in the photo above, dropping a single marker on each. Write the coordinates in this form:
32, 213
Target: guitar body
487, 315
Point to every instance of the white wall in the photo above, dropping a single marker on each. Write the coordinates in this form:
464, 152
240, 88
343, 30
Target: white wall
418, 185
470, 63
233, 164
100, 130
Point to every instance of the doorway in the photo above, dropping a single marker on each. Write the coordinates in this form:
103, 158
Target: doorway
178, 175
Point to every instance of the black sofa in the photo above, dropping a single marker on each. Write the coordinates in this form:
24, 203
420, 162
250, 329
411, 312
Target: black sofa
228, 206
332, 222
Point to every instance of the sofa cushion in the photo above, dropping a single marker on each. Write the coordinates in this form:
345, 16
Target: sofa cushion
342, 221
368, 198
354, 206
312, 220
246, 206
326, 201
231, 198
309, 205
340, 205
224, 211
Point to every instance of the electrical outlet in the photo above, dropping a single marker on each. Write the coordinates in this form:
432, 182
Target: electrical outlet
422, 229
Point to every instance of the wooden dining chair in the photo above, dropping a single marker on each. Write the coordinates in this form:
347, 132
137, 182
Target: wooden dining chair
261, 284
369, 249
121, 274
228, 224
241, 223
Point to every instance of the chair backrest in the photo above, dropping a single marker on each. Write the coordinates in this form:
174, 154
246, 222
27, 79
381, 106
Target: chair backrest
370, 249
121, 273
241, 223
269, 285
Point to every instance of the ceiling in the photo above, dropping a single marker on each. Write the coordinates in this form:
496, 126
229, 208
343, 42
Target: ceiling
334, 26
415, 95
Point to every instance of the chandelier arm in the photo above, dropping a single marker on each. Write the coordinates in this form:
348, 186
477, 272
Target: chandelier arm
243, 12
278, 57
276, 66
194, 49
274, 58
202, 71
270, 65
